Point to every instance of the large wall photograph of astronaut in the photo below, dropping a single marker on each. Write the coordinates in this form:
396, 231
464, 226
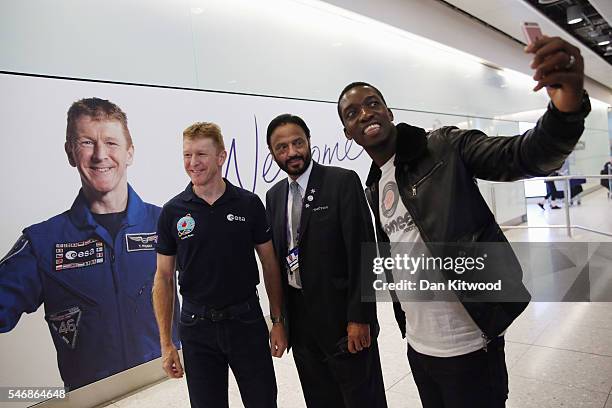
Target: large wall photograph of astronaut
86, 167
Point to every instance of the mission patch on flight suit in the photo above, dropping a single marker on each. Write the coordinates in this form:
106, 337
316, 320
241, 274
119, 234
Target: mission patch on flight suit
78, 254
66, 325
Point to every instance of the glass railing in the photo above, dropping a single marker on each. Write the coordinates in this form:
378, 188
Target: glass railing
567, 201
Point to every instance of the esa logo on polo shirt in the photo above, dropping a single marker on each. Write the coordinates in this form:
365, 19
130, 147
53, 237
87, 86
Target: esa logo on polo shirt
232, 217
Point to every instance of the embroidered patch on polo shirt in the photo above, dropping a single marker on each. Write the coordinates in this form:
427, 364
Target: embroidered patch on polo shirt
185, 226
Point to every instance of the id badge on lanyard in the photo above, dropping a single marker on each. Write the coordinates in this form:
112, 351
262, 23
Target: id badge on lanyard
293, 260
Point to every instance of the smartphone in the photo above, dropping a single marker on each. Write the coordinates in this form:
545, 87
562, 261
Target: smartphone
532, 32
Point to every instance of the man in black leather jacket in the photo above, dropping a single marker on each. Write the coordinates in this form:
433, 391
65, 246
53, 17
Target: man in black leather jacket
456, 349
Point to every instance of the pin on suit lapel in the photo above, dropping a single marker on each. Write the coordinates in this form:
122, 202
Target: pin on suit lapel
311, 196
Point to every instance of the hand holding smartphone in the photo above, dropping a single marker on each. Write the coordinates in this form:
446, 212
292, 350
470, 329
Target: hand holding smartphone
533, 33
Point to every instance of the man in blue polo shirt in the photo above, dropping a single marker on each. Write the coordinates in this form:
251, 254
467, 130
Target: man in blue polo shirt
208, 232
93, 265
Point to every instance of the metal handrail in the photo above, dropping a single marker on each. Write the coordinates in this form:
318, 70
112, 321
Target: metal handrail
566, 189
552, 178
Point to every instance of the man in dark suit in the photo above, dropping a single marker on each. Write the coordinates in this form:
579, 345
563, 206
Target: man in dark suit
320, 219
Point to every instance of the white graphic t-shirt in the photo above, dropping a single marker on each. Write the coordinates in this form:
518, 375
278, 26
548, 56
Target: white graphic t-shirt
434, 328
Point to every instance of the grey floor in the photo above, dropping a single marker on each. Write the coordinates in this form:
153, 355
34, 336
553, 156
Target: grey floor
558, 354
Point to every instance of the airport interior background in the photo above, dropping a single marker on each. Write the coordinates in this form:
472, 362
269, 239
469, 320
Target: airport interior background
239, 63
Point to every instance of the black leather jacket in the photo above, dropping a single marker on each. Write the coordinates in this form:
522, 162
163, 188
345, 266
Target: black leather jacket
435, 174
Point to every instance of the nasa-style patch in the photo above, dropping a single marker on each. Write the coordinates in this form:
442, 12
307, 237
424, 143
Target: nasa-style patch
185, 226
66, 325
71, 255
142, 241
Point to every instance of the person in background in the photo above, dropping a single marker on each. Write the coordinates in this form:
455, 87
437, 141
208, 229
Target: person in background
607, 169
551, 195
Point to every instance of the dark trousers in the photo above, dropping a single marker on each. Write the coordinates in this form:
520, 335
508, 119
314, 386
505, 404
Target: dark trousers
328, 381
551, 191
241, 343
474, 380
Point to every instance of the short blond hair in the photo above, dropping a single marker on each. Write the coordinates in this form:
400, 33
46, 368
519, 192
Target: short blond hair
96, 109
205, 130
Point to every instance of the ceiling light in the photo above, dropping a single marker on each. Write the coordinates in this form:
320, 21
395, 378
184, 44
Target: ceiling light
603, 42
574, 14
593, 34
608, 52
548, 1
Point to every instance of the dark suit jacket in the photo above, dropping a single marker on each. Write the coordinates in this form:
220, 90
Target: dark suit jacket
335, 222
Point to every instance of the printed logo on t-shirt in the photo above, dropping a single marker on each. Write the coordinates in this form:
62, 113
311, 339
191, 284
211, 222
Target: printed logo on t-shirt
402, 223
185, 226
390, 198
232, 217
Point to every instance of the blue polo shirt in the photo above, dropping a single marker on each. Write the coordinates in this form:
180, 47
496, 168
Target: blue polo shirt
214, 244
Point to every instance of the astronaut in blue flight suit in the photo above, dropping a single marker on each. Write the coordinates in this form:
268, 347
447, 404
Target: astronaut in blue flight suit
93, 265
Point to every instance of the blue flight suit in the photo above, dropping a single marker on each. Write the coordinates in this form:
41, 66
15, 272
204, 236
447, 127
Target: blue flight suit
96, 290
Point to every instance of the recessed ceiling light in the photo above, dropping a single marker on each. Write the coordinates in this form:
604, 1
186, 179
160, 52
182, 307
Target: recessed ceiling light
574, 14
604, 42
